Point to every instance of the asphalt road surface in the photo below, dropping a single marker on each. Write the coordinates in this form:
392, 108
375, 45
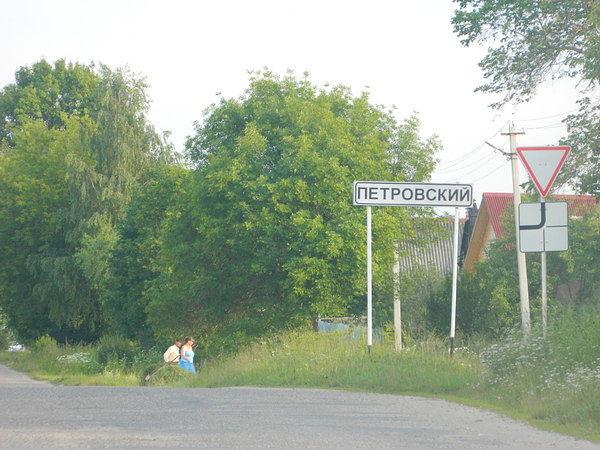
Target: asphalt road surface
40, 415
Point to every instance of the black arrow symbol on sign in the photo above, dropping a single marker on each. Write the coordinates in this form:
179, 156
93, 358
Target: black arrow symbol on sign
540, 225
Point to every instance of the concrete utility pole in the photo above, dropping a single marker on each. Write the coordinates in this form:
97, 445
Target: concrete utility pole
521, 263
397, 309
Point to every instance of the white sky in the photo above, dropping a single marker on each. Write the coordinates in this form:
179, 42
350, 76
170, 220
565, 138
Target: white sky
405, 52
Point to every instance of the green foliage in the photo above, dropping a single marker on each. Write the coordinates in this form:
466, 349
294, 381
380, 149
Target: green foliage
134, 260
5, 335
44, 344
580, 263
536, 41
417, 285
47, 93
337, 360
583, 164
4, 339
116, 349
265, 235
63, 187
532, 41
45, 289
488, 299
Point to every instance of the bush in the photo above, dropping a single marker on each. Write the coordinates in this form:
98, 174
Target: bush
5, 335
44, 344
4, 339
116, 349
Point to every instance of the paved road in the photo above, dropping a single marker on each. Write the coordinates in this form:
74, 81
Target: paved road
39, 415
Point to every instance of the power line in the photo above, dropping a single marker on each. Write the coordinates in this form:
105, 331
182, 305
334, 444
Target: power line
547, 117
490, 158
552, 125
456, 169
489, 173
453, 162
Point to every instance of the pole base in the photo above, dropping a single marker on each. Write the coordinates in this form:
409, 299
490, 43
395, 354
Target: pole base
451, 346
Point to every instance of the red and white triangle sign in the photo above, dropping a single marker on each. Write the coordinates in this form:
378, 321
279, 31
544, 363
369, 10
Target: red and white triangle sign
543, 164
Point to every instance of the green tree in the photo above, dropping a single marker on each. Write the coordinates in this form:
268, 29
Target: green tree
536, 41
43, 288
266, 235
580, 263
49, 93
134, 260
64, 186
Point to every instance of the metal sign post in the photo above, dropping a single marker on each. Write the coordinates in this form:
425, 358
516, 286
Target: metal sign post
389, 193
544, 275
454, 282
369, 284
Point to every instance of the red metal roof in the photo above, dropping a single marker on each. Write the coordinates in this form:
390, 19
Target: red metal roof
498, 202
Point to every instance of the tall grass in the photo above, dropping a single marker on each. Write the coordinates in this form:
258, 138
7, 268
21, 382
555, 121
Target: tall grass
308, 359
555, 378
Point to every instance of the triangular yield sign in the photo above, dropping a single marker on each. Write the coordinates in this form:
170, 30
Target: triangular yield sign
543, 164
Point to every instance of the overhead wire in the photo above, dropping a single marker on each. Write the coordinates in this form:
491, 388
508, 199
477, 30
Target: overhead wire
453, 162
489, 173
456, 169
547, 117
489, 159
552, 125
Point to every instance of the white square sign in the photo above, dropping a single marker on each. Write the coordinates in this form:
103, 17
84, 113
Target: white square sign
543, 227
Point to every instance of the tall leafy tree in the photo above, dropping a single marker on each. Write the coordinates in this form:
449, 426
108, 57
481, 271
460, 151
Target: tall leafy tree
267, 234
64, 186
134, 261
535, 41
42, 287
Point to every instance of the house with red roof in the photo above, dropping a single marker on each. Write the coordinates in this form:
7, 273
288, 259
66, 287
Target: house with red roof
486, 224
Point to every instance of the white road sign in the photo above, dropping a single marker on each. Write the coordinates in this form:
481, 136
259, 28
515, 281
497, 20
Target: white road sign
543, 164
389, 193
543, 227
